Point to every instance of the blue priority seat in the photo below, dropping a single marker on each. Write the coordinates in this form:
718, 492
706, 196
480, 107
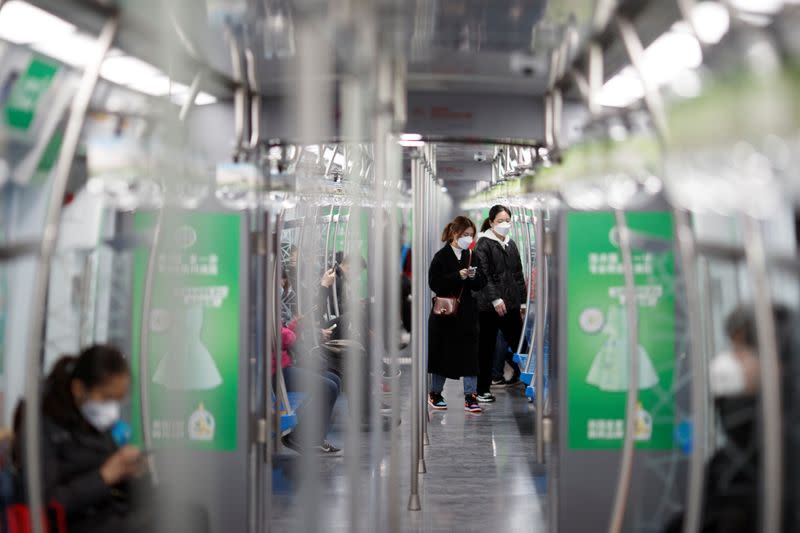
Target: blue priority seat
521, 359
289, 413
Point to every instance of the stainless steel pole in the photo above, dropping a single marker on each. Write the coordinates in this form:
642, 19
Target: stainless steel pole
771, 457
631, 308
699, 397
539, 318
527, 267
417, 333
421, 399
270, 436
33, 370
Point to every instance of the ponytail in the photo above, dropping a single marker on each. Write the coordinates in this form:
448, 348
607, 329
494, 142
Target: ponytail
448, 230
58, 402
486, 225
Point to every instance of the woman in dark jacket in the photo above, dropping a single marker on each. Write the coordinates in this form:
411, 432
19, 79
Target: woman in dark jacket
452, 340
100, 485
502, 300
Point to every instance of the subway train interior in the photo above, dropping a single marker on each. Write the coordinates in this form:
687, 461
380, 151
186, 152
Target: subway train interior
254, 254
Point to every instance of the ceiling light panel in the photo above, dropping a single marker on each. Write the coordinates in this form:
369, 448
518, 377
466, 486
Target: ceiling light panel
22, 23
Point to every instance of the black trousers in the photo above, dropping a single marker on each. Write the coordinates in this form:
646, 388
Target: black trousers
490, 324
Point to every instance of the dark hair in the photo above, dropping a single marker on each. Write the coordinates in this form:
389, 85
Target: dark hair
459, 225
493, 212
742, 321
93, 367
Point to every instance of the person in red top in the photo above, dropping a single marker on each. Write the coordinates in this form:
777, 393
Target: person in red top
321, 392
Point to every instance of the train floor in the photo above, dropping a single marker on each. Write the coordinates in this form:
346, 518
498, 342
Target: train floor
481, 474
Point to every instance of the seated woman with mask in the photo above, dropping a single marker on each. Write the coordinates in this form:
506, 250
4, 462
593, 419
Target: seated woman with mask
101, 486
732, 478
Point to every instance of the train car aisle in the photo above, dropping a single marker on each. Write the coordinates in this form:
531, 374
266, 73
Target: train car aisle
481, 468
481, 471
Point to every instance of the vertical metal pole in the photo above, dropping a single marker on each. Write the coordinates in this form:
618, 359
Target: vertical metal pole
333, 255
699, 397
771, 493
421, 398
312, 110
548, 120
631, 308
527, 266
353, 98
33, 427
256, 380
326, 255
394, 173
539, 318
274, 316
382, 123
270, 432
419, 294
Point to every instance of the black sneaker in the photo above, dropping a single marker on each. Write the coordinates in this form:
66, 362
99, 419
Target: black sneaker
499, 382
471, 404
289, 442
326, 448
436, 401
486, 397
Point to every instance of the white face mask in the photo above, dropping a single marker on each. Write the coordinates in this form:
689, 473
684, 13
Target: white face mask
101, 415
464, 242
502, 228
726, 375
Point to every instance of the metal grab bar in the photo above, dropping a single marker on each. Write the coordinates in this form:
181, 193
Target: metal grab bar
418, 267
737, 253
255, 100
335, 290
239, 94
329, 221
527, 266
631, 308
423, 351
539, 317
540, 287
699, 396
771, 494
33, 423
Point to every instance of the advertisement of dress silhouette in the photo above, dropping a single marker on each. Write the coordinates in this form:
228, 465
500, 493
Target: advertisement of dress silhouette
610, 368
188, 365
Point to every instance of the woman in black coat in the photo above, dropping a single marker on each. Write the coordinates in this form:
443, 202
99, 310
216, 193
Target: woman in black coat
502, 300
452, 340
101, 486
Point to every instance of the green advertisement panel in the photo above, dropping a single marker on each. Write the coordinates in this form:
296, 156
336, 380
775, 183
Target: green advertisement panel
193, 355
27, 91
597, 332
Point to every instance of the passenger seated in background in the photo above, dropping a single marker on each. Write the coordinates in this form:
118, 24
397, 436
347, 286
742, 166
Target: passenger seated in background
321, 392
339, 336
731, 502
101, 486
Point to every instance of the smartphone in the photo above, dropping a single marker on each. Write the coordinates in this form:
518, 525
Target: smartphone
472, 270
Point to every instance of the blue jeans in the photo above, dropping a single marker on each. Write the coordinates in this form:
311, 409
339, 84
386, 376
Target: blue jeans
325, 388
470, 384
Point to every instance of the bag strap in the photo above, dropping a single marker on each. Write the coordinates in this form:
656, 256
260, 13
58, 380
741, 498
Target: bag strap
461, 292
